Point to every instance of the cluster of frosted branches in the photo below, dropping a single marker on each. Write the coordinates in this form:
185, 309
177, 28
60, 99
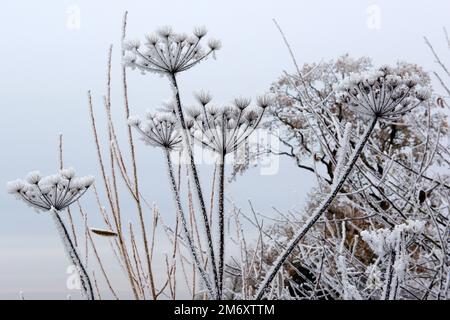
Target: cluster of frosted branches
391, 184
372, 89
55, 193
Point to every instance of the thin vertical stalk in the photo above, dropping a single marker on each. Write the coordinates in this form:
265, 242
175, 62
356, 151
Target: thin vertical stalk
389, 276
221, 216
184, 224
61, 166
73, 255
321, 209
196, 180
134, 167
122, 244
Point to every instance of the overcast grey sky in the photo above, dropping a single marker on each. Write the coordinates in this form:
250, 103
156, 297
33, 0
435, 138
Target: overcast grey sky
48, 63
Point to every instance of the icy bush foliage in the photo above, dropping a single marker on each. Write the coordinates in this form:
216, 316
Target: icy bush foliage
56, 191
383, 241
394, 203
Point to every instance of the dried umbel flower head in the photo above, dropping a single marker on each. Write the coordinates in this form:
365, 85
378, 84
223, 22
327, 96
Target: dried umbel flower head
385, 93
222, 129
158, 129
56, 191
167, 52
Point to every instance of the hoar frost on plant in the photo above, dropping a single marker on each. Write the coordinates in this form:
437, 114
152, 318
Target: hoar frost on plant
167, 52
383, 240
56, 191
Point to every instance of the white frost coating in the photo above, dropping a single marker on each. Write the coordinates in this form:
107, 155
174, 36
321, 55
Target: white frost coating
383, 240
192, 248
55, 191
68, 173
342, 153
167, 52
373, 277
73, 255
34, 177
350, 292
322, 207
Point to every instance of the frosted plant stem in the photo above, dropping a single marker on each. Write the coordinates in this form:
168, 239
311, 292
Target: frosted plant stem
72, 254
196, 180
389, 276
184, 223
221, 216
321, 209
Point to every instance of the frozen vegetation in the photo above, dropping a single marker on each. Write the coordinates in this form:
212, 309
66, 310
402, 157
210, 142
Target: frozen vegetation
375, 138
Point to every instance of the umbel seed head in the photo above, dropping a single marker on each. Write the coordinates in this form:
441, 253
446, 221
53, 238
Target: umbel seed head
222, 129
57, 191
158, 129
384, 93
167, 52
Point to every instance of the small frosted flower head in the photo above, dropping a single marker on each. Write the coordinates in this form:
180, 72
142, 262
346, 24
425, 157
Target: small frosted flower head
16, 187
158, 130
167, 52
214, 44
222, 129
134, 121
203, 97
242, 102
57, 191
131, 44
34, 177
152, 39
423, 94
68, 173
384, 93
264, 101
165, 31
200, 32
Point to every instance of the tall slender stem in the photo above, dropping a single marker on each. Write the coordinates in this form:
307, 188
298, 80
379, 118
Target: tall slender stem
389, 276
73, 255
195, 177
184, 223
321, 209
221, 215
137, 196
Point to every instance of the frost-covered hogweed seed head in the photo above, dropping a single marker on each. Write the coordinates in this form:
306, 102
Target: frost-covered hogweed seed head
56, 191
158, 129
167, 52
384, 93
223, 128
